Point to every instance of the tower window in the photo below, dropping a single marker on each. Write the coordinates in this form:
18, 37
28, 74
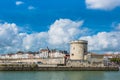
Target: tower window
72, 54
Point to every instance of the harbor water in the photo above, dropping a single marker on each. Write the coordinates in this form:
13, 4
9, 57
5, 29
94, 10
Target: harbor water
59, 75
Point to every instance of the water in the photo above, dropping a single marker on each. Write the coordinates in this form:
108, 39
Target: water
59, 75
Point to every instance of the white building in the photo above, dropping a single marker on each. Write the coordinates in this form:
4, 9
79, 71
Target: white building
43, 53
55, 54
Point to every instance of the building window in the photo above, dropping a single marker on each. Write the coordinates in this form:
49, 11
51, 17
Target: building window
72, 54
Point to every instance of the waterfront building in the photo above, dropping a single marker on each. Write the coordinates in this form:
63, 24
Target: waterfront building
107, 58
25, 55
53, 53
2, 56
95, 59
56, 53
78, 49
44, 53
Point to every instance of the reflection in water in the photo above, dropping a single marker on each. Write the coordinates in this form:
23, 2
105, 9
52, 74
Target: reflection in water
85, 75
57, 76
60, 75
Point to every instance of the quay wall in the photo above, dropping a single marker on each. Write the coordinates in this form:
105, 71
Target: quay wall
36, 68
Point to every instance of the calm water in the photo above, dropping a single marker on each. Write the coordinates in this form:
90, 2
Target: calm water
59, 75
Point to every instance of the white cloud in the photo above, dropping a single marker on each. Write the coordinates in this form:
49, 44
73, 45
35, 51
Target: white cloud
31, 7
102, 4
104, 41
35, 41
19, 3
58, 36
63, 30
118, 26
9, 37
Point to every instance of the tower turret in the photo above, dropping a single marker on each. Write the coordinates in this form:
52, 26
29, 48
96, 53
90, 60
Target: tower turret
78, 49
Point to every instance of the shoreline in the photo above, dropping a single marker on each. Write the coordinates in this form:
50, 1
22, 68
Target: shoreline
60, 68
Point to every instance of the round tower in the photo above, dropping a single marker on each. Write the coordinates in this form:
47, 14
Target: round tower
78, 49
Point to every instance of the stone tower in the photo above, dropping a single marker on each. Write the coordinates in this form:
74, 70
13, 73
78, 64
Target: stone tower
78, 49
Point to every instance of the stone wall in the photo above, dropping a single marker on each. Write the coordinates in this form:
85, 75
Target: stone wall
59, 60
78, 49
78, 63
35, 68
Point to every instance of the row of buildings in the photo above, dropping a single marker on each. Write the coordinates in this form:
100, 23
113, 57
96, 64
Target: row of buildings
43, 53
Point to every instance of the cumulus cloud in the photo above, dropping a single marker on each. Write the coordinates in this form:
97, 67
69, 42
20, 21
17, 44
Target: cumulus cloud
35, 41
9, 37
102, 4
19, 3
104, 41
11, 40
58, 36
63, 30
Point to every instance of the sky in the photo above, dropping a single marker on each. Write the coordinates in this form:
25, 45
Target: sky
29, 25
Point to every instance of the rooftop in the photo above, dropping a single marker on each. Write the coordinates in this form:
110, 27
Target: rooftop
79, 41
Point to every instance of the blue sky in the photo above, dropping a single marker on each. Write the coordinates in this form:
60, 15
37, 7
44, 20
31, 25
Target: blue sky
47, 11
37, 24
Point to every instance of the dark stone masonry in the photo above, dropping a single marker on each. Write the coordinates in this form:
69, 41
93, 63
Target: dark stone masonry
35, 68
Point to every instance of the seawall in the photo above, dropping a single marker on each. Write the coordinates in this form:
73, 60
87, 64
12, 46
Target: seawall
35, 68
